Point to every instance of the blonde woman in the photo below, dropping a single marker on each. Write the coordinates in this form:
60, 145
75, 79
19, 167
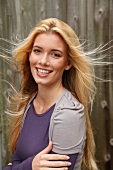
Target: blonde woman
50, 126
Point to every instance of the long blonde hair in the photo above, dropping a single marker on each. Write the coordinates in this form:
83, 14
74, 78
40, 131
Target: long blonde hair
79, 80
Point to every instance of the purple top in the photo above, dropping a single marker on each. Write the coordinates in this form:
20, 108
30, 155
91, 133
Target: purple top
33, 138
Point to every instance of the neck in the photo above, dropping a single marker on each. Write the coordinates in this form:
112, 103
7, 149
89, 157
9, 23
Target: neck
48, 96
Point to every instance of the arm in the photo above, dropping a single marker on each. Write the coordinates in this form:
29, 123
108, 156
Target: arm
72, 159
68, 132
40, 161
17, 164
45, 160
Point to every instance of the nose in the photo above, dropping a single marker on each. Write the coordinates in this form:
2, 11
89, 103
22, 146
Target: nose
44, 59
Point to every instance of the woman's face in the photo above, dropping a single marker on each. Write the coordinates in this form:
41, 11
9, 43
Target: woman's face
48, 59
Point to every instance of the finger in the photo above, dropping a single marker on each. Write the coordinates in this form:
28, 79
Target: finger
54, 157
55, 164
63, 168
47, 149
59, 164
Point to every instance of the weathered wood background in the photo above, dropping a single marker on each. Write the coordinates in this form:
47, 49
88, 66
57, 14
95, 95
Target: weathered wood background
93, 21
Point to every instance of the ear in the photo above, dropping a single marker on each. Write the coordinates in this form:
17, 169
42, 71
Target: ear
69, 65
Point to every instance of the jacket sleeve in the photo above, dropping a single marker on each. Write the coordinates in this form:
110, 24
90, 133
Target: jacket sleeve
17, 164
68, 129
72, 159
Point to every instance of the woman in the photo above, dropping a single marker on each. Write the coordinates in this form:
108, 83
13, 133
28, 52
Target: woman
50, 123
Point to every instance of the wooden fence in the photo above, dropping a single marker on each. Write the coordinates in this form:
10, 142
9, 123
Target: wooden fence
92, 20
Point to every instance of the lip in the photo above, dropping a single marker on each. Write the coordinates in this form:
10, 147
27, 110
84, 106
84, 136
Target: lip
42, 72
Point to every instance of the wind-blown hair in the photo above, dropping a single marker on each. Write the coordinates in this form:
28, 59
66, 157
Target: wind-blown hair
79, 80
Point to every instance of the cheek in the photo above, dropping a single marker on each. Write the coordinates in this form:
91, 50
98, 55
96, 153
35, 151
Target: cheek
31, 60
60, 66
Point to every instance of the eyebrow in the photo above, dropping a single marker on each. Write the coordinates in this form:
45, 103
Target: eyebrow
51, 49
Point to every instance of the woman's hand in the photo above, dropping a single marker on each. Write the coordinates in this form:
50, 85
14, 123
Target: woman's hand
45, 161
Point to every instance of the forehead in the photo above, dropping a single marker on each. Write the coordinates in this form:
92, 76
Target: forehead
50, 39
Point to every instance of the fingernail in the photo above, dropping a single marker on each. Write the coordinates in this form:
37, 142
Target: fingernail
69, 163
67, 157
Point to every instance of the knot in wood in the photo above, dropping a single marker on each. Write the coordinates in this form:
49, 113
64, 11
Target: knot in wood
100, 11
75, 17
111, 141
104, 104
107, 157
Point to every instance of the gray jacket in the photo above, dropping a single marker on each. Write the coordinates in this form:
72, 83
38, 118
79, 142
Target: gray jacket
67, 128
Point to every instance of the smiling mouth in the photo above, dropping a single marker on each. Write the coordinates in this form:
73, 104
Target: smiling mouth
43, 71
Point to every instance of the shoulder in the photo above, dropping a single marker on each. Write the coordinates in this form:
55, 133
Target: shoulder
67, 126
69, 105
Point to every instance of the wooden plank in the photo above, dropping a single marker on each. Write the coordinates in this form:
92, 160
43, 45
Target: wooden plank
2, 87
90, 23
8, 30
72, 15
1, 19
17, 14
0, 151
50, 9
4, 18
56, 9
40, 10
101, 116
111, 83
27, 16
82, 12
11, 19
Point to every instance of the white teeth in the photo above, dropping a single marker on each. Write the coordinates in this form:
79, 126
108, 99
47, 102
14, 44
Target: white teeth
43, 71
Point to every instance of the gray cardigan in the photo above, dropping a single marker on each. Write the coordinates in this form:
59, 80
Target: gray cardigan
67, 128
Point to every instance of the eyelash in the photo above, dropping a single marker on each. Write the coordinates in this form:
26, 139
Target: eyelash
36, 51
56, 55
